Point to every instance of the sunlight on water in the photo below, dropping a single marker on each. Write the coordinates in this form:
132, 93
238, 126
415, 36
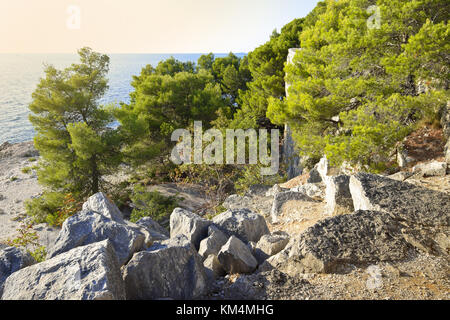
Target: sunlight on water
20, 73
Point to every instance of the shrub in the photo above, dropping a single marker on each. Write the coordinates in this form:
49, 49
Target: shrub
151, 204
26, 170
52, 207
251, 175
69, 207
28, 239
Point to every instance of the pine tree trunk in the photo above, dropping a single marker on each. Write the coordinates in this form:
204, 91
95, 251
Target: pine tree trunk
95, 175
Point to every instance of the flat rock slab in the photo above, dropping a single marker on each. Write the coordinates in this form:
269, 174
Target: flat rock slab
86, 273
282, 198
360, 238
171, 269
403, 201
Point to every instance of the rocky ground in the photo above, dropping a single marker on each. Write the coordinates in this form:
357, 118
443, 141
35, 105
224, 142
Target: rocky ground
18, 183
298, 241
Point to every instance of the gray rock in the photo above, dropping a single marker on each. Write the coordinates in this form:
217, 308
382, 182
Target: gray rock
171, 269
214, 242
101, 204
194, 227
258, 190
314, 176
312, 190
236, 257
283, 197
447, 153
236, 202
157, 232
274, 191
359, 238
424, 214
337, 195
85, 273
244, 224
270, 244
151, 224
432, 169
401, 176
214, 267
89, 227
13, 259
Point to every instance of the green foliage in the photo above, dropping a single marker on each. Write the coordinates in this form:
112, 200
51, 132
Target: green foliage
39, 208
76, 144
353, 91
28, 239
69, 207
151, 204
26, 170
251, 175
39, 254
266, 64
162, 103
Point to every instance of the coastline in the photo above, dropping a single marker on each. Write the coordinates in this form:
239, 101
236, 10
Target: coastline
18, 182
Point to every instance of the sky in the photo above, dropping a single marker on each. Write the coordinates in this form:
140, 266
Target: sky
143, 26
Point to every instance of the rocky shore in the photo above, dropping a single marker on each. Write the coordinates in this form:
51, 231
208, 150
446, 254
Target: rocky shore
327, 235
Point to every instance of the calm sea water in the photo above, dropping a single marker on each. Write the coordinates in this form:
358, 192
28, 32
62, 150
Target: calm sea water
20, 73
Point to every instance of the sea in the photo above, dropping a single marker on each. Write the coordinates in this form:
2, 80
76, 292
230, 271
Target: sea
20, 74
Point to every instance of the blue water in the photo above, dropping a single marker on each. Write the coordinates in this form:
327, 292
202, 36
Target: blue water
20, 73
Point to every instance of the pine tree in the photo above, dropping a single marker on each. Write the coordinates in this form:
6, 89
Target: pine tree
73, 134
354, 88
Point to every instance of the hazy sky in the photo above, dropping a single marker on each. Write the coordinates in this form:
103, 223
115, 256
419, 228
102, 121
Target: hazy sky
143, 26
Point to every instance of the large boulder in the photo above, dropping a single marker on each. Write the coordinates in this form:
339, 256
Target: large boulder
282, 198
235, 257
360, 238
215, 241
13, 259
424, 214
89, 227
101, 204
194, 227
86, 273
243, 223
270, 244
337, 195
170, 269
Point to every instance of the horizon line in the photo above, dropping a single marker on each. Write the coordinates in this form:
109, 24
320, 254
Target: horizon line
165, 53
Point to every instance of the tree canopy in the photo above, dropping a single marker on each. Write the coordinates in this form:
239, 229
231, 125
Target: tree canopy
354, 88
